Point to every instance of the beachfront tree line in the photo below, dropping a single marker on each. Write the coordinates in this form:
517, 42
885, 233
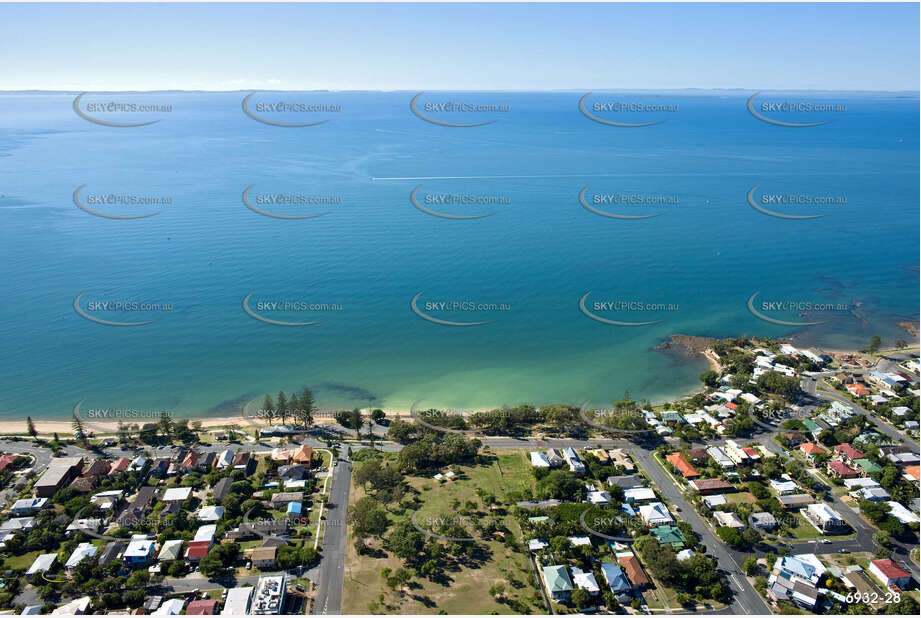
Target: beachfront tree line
299, 409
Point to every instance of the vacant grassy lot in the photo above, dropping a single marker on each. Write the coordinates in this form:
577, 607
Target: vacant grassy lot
465, 590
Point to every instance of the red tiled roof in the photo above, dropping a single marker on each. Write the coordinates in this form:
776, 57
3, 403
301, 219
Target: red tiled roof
678, 460
204, 607
6, 460
731, 406
198, 549
191, 460
842, 469
849, 451
120, 466
711, 484
811, 448
890, 569
634, 570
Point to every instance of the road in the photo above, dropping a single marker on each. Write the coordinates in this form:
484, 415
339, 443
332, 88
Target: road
746, 599
328, 599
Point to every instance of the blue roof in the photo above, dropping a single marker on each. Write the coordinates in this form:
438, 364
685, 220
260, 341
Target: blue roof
627, 509
616, 578
797, 567
294, 507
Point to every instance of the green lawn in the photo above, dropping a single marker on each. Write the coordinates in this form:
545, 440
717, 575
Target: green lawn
22, 562
465, 590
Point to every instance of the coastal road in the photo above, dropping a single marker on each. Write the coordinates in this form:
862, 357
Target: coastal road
746, 599
811, 390
328, 599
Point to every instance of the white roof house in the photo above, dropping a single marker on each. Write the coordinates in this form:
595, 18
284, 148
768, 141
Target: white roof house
716, 500
639, 494
42, 564
539, 460
860, 482
138, 550
720, 457
210, 513
83, 551
170, 607
27, 505
728, 520
585, 580
655, 514
784, 487
537, 544
177, 494
75, 607
238, 601
205, 533
599, 497
224, 459
901, 513
578, 541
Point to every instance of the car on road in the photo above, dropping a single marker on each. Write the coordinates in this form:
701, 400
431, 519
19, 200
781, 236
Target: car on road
843, 551
825, 541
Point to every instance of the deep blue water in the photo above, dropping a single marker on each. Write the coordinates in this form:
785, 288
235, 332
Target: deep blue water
538, 253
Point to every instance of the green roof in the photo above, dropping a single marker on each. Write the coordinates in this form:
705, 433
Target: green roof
867, 466
671, 417
810, 424
557, 578
668, 535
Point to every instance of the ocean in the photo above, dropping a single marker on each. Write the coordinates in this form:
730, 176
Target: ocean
382, 179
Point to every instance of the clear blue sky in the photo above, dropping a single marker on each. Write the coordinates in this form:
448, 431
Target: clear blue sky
500, 46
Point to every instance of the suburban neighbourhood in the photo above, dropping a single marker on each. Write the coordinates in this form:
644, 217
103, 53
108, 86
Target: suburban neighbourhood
789, 483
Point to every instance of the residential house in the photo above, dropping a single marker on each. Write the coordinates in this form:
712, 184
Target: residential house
616, 579
680, 463
890, 574
585, 580
557, 582
264, 557
824, 518
841, 470
82, 552
61, 471
727, 519
655, 514
633, 570
712, 486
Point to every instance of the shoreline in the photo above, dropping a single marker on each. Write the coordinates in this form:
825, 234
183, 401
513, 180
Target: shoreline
693, 346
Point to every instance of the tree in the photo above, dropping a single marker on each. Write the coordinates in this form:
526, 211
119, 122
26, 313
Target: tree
268, 409
901, 344
581, 598
710, 378
282, 407
750, 565
875, 343
305, 408
166, 426
378, 415
355, 420
79, 434
30, 426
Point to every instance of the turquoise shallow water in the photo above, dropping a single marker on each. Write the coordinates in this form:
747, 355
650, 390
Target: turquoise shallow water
373, 251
